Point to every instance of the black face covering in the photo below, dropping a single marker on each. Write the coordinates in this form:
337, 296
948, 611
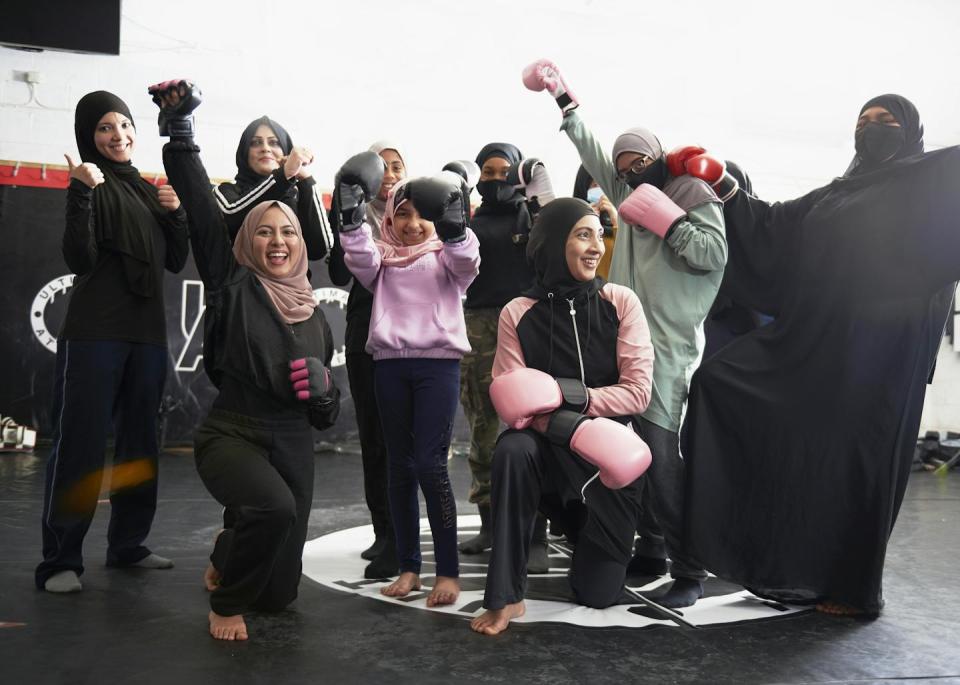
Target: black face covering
547, 250
496, 192
876, 143
655, 175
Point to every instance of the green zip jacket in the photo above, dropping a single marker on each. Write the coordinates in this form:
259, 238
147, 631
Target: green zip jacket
676, 279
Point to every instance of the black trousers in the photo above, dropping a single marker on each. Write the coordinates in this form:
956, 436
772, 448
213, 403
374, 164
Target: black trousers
663, 503
526, 478
373, 451
98, 381
262, 472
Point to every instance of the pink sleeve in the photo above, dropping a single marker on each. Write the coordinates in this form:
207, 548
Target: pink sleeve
462, 260
361, 255
509, 352
634, 359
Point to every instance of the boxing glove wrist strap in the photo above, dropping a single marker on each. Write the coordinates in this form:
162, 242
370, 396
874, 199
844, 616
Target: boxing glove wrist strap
575, 395
563, 424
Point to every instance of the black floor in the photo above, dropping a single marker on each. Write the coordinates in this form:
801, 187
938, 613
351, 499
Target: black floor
143, 627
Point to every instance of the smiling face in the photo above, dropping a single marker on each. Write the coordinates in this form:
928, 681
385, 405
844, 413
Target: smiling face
276, 244
265, 151
585, 248
115, 137
411, 228
394, 171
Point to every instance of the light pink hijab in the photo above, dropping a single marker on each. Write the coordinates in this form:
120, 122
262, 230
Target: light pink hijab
292, 295
392, 250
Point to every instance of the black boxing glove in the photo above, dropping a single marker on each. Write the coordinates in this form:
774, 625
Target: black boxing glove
357, 182
440, 199
176, 99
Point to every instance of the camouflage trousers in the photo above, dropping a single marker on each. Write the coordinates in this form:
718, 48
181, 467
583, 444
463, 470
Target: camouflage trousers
475, 378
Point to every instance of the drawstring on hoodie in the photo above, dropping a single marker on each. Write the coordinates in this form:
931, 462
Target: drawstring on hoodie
583, 376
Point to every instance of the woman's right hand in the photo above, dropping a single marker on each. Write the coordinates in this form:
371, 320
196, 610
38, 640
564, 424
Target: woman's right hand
87, 173
294, 163
604, 206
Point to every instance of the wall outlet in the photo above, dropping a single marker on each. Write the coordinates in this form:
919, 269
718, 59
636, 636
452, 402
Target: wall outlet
27, 76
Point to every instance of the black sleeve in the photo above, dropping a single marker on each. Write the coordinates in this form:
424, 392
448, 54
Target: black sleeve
211, 246
322, 412
79, 241
317, 233
760, 238
336, 266
174, 226
235, 205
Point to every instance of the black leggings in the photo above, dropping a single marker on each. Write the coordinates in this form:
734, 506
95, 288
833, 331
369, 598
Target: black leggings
525, 479
262, 472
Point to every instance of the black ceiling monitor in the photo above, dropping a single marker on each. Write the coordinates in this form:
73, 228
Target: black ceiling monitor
71, 25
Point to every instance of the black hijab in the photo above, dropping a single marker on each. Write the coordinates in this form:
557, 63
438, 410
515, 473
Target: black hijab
908, 117
125, 206
582, 184
499, 197
547, 251
246, 177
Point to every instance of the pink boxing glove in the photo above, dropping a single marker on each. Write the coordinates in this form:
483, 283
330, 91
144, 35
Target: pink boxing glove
620, 454
310, 379
544, 74
520, 395
649, 207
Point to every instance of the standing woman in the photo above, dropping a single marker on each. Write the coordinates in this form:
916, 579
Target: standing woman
502, 223
802, 433
382, 554
112, 354
271, 167
254, 451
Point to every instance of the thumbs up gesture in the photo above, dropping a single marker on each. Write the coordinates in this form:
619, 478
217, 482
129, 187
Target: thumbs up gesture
87, 173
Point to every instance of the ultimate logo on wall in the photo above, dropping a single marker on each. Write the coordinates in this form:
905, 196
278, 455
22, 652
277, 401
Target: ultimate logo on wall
333, 560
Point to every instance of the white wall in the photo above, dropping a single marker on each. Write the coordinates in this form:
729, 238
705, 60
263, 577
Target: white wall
774, 86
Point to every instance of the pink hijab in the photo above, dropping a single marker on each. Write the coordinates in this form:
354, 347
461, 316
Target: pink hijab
392, 250
292, 295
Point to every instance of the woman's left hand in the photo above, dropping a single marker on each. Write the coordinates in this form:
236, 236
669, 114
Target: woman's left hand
295, 164
168, 198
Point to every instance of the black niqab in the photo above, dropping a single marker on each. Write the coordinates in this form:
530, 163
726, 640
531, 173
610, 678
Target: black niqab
908, 117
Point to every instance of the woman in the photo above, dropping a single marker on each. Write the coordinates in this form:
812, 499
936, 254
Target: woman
502, 223
572, 347
801, 433
271, 167
382, 554
254, 452
675, 267
112, 353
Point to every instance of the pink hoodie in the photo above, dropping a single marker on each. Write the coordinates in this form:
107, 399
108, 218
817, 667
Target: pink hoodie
417, 308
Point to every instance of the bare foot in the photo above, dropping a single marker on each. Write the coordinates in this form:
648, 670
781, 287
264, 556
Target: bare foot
838, 609
211, 578
228, 627
493, 621
445, 591
402, 586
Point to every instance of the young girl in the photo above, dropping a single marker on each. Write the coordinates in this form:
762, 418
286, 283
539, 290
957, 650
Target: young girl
254, 451
418, 272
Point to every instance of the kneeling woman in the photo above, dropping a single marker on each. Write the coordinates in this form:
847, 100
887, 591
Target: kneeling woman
573, 349
254, 452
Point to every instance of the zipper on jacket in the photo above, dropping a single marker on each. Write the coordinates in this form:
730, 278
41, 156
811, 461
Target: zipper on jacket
576, 337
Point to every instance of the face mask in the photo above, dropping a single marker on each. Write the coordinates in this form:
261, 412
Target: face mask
655, 175
496, 191
876, 142
594, 195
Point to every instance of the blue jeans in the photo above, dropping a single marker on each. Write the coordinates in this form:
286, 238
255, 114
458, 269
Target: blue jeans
418, 401
96, 382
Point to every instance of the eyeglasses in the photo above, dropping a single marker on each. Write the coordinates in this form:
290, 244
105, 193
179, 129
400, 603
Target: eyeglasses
639, 164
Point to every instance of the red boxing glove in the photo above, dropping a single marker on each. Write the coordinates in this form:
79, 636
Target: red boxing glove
694, 160
678, 156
